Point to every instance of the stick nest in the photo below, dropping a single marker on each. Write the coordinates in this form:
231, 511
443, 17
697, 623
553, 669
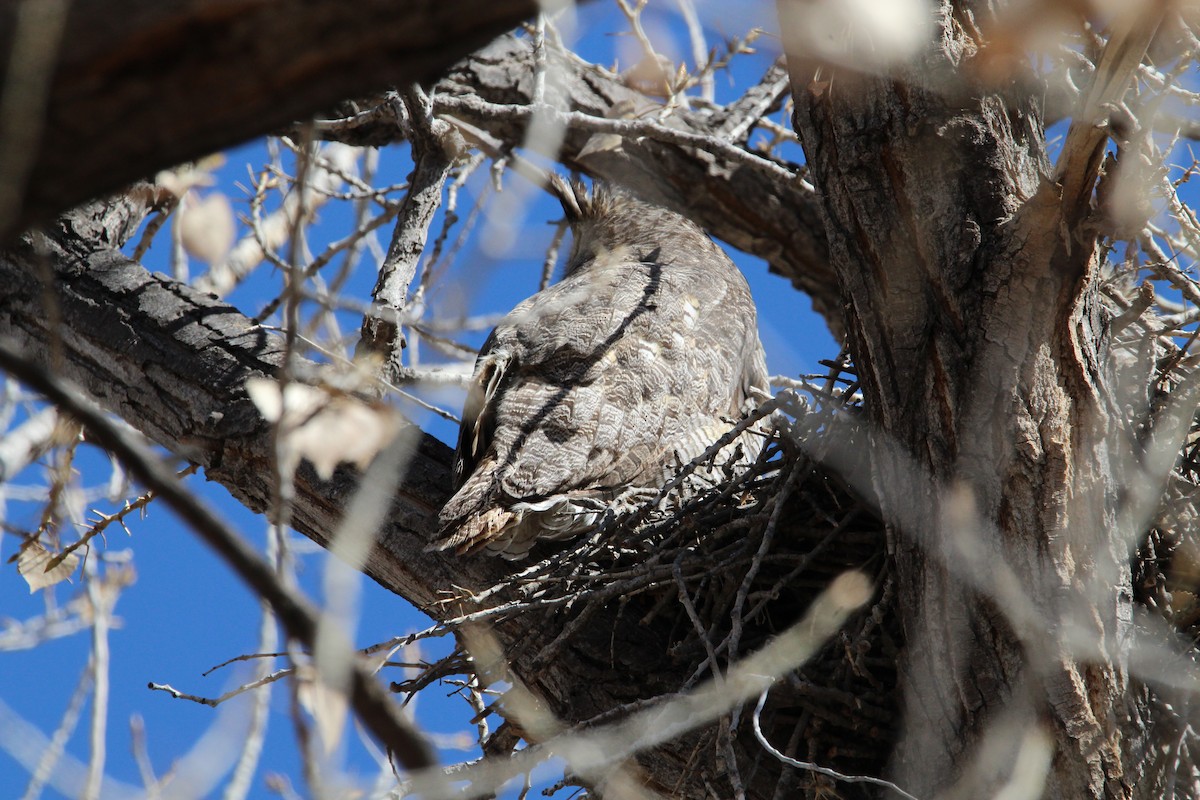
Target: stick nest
718, 563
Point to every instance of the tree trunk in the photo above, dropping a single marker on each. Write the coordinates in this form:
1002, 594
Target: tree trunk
975, 322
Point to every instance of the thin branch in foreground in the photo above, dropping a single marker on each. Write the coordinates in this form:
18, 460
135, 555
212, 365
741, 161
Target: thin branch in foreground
248, 760
102, 598
70, 718
137, 736
104, 520
296, 613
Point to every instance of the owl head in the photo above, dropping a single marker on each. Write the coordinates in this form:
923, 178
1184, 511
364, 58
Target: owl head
606, 220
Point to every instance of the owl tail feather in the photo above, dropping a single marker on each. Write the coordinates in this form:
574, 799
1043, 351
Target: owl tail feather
510, 533
474, 532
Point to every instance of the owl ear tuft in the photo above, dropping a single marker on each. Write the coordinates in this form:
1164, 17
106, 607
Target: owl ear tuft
572, 194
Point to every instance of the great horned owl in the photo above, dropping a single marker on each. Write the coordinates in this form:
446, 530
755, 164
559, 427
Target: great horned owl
632, 364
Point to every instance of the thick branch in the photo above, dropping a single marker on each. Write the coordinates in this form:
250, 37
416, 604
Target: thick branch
761, 215
173, 362
140, 85
744, 205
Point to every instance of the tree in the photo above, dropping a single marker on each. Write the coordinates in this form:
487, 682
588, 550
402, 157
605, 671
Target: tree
1005, 448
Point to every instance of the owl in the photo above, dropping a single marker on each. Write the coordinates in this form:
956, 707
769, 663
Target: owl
641, 357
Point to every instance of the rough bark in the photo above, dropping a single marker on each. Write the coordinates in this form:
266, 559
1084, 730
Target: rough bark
975, 323
141, 85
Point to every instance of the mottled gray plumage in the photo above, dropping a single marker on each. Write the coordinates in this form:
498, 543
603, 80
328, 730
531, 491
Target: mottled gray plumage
635, 362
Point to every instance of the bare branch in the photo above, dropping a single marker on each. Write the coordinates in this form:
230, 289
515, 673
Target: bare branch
432, 149
295, 613
632, 128
742, 206
1082, 152
762, 739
